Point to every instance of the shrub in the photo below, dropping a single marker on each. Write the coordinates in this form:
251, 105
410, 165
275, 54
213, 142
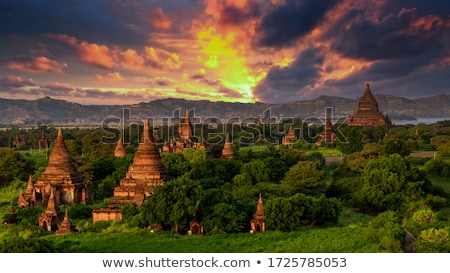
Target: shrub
433, 240
387, 231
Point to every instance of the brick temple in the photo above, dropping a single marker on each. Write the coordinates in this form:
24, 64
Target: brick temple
327, 135
185, 137
144, 174
60, 176
368, 113
290, 137
258, 223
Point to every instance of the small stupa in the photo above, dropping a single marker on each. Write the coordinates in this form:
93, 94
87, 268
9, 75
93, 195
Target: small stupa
258, 223
290, 137
328, 135
227, 151
66, 225
120, 151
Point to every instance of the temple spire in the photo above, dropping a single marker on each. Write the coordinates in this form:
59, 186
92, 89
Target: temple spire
30, 185
11, 209
51, 208
119, 151
227, 151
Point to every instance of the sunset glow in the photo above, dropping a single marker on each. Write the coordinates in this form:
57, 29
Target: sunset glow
96, 52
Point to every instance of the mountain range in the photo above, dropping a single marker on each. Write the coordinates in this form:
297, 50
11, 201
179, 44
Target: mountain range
49, 111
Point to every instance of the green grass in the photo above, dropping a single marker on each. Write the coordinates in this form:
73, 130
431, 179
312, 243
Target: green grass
38, 156
309, 240
442, 182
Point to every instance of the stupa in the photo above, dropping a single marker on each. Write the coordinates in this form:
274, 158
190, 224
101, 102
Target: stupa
328, 135
70, 187
290, 137
119, 151
185, 138
257, 223
227, 151
49, 218
60, 173
66, 225
367, 113
144, 174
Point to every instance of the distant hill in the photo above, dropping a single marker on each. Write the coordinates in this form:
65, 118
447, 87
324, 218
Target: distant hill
48, 110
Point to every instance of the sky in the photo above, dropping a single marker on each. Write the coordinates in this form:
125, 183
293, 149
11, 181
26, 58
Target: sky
272, 51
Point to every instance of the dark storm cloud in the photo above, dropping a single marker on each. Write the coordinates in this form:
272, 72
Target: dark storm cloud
100, 21
436, 7
394, 36
286, 23
283, 84
91, 20
232, 15
386, 70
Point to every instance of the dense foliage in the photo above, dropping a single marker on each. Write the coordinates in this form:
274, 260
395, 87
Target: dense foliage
302, 194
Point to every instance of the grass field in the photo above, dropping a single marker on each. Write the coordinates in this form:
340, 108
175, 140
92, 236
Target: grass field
310, 240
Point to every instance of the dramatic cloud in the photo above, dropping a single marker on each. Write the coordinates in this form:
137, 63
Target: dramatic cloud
293, 19
162, 59
398, 36
33, 64
286, 83
159, 19
274, 51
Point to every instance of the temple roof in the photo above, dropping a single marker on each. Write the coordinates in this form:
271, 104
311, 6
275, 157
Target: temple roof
368, 101
51, 208
147, 160
60, 160
259, 208
367, 113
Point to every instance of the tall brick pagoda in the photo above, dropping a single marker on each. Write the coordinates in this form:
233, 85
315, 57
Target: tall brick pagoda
367, 113
144, 174
70, 187
227, 151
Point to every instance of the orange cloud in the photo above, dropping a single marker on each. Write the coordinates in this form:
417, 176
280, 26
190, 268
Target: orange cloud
162, 59
130, 59
109, 57
15, 81
34, 64
98, 55
110, 77
430, 22
159, 20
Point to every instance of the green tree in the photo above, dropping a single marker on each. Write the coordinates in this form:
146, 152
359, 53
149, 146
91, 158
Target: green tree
14, 165
305, 177
357, 161
396, 146
386, 229
390, 183
349, 140
175, 202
